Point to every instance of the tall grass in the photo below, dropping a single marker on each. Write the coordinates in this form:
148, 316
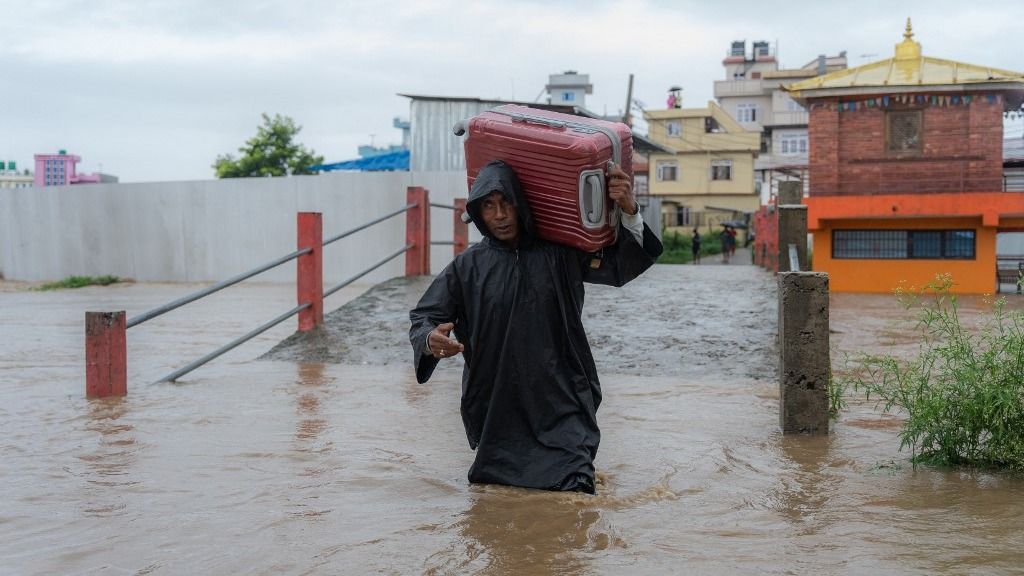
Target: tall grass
963, 394
79, 282
677, 247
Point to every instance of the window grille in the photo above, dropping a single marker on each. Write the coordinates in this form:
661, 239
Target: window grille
903, 244
903, 130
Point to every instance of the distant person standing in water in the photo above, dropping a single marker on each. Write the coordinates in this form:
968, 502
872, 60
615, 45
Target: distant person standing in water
724, 239
695, 246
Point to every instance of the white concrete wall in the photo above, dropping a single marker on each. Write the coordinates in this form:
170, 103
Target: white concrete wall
211, 230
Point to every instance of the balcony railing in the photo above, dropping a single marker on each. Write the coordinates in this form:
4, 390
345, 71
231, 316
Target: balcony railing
724, 88
788, 118
1013, 182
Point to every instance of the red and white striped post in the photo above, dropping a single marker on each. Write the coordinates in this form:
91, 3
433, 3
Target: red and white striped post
460, 230
106, 355
417, 232
310, 267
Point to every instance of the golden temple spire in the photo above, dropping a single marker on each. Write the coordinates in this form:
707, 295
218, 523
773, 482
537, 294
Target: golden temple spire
908, 49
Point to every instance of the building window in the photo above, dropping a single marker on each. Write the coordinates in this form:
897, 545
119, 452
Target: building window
682, 216
568, 96
793, 105
903, 131
792, 144
711, 126
674, 128
904, 244
667, 170
746, 113
721, 169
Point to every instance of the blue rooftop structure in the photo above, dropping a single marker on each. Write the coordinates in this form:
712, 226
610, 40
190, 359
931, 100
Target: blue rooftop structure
391, 162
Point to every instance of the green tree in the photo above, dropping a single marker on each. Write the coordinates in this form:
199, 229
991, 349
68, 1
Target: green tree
271, 152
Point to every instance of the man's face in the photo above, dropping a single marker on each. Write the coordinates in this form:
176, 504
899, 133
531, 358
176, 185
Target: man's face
500, 218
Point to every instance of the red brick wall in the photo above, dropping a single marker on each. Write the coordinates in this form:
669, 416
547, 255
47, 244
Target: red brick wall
962, 151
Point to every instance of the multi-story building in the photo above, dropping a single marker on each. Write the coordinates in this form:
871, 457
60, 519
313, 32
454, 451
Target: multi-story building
569, 89
752, 94
60, 170
11, 178
708, 177
906, 171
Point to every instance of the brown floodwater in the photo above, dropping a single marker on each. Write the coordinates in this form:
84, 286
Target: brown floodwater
347, 465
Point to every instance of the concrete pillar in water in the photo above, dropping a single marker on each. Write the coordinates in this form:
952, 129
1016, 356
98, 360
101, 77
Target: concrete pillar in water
804, 363
417, 231
106, 354
309, 270
792, 230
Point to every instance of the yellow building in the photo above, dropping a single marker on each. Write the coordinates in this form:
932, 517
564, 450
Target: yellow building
710, 178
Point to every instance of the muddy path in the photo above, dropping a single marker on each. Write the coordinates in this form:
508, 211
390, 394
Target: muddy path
701, 322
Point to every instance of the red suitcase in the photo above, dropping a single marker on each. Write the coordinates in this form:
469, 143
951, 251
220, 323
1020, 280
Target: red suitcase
561, 161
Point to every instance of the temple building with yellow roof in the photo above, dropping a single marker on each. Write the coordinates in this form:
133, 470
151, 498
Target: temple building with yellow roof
906, 171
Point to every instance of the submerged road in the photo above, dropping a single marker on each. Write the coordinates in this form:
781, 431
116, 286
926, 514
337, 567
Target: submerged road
707, 323
328, 458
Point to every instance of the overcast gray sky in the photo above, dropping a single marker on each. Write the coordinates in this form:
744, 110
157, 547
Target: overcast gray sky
154, 90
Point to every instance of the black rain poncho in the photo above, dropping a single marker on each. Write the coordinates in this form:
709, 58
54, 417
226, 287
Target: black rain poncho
530, 390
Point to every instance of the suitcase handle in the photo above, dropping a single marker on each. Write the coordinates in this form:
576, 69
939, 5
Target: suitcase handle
592, 197
577, 126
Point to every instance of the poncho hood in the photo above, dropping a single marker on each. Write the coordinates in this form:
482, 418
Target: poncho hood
498, 176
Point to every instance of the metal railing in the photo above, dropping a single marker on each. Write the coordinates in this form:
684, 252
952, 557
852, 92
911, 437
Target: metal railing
460, 230
267, 326
106, 372
215, 288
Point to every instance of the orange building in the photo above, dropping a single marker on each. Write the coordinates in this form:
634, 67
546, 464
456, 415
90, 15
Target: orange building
906, 171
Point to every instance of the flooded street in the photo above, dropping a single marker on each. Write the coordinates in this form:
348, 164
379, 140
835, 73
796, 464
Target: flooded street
326, 456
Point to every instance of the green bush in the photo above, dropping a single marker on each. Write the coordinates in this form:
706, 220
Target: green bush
80, 282
677, 247
963, 394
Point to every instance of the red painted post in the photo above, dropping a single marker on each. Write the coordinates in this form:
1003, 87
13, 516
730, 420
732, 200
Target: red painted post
310, 267
417, 232
460, 230
106, 355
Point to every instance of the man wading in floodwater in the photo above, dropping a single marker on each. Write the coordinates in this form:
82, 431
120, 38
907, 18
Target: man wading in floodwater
530, 391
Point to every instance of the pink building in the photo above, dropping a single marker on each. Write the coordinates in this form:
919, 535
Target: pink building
59, 170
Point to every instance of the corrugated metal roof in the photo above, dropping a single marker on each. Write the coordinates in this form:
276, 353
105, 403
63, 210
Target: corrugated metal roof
908, 70
491, 102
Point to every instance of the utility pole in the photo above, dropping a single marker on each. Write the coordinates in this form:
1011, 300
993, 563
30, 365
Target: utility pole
627, 115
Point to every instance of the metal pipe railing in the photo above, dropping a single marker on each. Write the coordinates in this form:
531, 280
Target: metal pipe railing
233, 344
215, 288
368, 270
448, 206
371, 223
102, 346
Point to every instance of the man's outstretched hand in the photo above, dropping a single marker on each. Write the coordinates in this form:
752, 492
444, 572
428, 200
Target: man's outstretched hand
440, 345
620, 189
